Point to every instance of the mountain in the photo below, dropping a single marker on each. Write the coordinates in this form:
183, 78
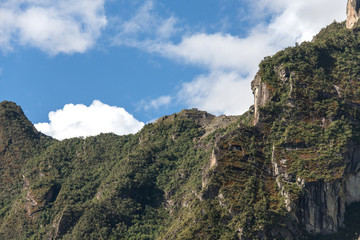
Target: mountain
19, 141
289, 168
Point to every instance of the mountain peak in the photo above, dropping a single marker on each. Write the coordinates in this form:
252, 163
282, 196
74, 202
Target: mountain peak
353, 13
14, 126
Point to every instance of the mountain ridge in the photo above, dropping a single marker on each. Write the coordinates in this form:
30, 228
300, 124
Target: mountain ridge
286, 169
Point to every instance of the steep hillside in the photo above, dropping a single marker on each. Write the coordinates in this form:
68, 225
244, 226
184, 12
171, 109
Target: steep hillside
19, 141
109, 186
307, 101
286, 169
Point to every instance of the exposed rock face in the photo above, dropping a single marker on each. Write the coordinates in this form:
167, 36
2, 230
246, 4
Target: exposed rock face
317, 204
281, 176
353, 13
321, 206
261, 95
37, 200
64, 221
208, 173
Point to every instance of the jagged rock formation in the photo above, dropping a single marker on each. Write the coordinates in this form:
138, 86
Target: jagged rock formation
353, 13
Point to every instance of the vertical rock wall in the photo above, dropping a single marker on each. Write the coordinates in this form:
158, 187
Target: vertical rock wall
322, 205
261, 95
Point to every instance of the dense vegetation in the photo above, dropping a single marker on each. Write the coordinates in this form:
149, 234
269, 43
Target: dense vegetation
314, 112
110, 187
191, 175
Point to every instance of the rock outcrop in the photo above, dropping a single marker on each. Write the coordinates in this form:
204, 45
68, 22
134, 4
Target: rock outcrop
353, 7
261, 95
201, 118
321, 206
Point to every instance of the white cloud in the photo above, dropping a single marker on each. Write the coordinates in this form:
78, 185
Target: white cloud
301, 20
156, 103
219, 51
218, 92
292, 22
229, 60
232, 61
63, 26
80, 120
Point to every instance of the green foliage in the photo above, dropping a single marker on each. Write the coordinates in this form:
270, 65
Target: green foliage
111, 187
312, 118
158, 183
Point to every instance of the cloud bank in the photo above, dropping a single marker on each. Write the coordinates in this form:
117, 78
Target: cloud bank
80, 120
230, 61
62, 26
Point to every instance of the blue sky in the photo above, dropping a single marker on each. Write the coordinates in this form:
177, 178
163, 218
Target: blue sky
142, 59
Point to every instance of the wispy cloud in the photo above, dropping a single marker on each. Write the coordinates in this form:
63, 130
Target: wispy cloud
145, 26
63, 26
155, 103
80, 120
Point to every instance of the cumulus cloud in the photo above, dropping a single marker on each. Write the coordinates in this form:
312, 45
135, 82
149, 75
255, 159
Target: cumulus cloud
231, 63
80, 120
63, 26
218, 92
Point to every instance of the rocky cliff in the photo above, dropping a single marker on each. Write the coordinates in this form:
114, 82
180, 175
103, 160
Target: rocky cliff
261, 95
306, 129
318, 179
353, 12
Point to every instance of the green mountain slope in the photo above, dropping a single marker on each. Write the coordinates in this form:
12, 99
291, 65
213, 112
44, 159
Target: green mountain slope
286, 169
